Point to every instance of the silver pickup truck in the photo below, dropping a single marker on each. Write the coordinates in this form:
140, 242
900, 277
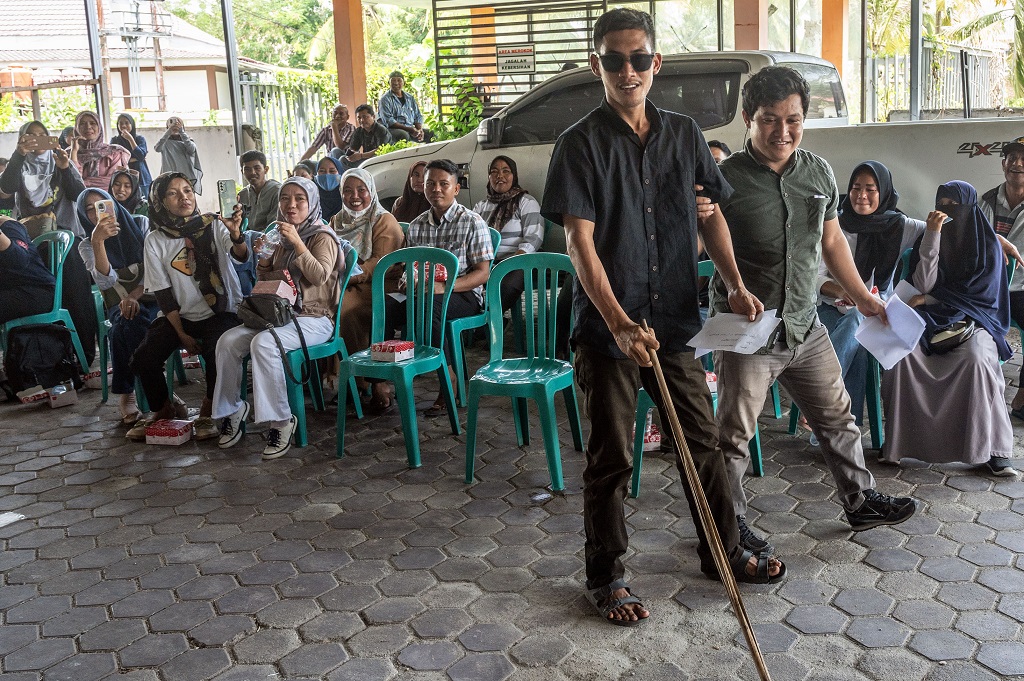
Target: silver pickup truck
706, 86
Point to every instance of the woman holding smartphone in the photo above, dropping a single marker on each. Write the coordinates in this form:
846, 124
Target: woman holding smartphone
94, 158
188, 269
113, 253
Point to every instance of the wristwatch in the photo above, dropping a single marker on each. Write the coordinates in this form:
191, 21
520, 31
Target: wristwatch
239, 240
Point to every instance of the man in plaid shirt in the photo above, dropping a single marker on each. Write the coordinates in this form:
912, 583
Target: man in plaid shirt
453, 227
335, 135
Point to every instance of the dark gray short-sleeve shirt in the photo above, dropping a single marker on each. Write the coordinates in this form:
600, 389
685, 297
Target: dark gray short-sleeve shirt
641, 200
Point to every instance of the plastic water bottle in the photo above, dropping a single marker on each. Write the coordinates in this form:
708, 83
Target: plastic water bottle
271, 240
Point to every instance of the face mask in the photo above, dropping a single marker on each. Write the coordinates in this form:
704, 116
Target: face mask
328, 182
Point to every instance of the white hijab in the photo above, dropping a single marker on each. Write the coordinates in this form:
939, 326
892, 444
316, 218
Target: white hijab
356, 227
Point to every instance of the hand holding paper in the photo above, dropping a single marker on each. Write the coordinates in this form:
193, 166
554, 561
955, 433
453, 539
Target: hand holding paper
735, 333
889, 344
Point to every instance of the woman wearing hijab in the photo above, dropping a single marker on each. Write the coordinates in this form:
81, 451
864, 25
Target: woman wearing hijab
328, 183
878, 234
941, 404
315, 258
178, 154
127, 191
136, 145
188, 269
94, 158
113, 253
412, 203
45, 184
373, 233
509, 209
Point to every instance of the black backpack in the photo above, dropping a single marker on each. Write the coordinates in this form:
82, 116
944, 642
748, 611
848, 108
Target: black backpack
41, 354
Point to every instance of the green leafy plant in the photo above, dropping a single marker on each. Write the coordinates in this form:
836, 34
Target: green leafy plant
462, 118
394, 146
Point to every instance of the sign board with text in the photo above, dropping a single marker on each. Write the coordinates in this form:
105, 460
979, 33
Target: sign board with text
516, 59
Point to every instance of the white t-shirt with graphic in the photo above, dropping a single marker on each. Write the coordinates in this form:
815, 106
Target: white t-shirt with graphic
170, 265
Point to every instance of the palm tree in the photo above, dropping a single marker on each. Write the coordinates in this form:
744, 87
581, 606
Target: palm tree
1016, 11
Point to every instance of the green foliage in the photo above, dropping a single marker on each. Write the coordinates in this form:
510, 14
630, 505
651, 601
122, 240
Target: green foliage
324, 84
277, 32
8, 111
394, 146
461, 119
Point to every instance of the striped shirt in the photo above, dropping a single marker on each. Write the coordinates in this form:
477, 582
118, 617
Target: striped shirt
326, 137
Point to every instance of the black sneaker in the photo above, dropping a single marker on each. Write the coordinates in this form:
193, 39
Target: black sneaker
751, 541
880, 509
1000, 466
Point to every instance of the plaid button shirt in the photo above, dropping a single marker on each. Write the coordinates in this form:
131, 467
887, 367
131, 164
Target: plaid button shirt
460, 231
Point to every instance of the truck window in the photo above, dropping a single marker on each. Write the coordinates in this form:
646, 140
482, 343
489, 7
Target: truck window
827, 99
708, 98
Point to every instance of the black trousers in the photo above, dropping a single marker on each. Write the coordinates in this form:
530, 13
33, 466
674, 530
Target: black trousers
609, 387
461, 304
24, 301
161, 340
76, 298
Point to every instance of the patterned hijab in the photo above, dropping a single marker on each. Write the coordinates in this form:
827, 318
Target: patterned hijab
91, 152
356, 227
198, 232
507, 202
37, 172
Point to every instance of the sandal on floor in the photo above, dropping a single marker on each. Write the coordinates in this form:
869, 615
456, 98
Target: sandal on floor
437, 409
381, 407
601, 598
761, 574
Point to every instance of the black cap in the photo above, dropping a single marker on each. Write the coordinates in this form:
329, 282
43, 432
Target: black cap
1013, 145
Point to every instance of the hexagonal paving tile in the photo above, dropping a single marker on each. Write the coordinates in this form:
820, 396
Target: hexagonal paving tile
878, 632
861, 602
942, 645
988, 626
816, 619
430, 656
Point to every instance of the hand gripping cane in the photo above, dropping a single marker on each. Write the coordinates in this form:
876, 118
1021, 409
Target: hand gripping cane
706, 520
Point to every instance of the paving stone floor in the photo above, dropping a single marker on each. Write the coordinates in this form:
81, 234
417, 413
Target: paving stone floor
142, 563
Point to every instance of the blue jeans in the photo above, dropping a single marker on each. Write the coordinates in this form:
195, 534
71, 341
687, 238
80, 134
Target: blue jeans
125, 335
853, 358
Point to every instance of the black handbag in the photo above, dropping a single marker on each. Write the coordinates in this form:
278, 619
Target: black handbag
951, 337
266, 312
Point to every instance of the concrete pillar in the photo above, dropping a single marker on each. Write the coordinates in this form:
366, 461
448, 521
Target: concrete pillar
751, 24
835, 29
349, 53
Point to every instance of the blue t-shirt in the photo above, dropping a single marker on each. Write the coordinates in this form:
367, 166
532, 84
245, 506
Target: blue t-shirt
21, 264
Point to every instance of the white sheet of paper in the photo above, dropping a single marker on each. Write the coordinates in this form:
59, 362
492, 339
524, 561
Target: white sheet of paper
889, 344
905, 290
400, 297
735, 333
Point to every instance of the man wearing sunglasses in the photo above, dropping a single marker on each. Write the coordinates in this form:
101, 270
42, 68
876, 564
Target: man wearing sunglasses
623, 182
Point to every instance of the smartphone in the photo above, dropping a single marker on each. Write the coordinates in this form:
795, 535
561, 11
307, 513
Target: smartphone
104, 207
52, 142
227, 191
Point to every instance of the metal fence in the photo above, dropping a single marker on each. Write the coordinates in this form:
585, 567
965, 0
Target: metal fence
287, 117
941, 82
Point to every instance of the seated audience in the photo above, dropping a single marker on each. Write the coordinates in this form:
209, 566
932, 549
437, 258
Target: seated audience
334, 135
136, 145
368, 136
45, 184
509, 209
373, 233
188, 269
328, 184
719, 150
449, 225
306, 169
412, 202
113, 253
127, 191
94, 158
259, 197
945, 403
400, 113
179, 154
28, 284
314, 257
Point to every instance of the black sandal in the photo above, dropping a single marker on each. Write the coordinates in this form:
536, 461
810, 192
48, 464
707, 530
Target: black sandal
761, 574
435, 410
601, 598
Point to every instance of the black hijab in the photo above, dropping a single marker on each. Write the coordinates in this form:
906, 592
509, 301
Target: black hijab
972, 276
133, 201
125, 247
879, 235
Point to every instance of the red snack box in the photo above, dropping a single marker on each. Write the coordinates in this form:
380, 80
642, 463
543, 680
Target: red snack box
712, 380
168, 432
652, 439
30, 395
275, 287
62, 396
392, 351
440, 275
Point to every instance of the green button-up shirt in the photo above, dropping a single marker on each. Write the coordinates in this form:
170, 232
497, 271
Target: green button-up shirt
776, 224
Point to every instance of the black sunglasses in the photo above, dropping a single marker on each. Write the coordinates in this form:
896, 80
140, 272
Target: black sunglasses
613, 61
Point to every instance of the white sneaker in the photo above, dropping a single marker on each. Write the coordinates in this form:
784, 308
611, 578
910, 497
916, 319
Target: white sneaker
233, 427
279, 440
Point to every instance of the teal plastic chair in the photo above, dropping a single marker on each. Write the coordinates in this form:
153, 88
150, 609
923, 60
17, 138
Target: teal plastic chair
427, 357
644, 402
103, 329
405, 227
456, 327
538, 375
296, 358
873, 393
60, 243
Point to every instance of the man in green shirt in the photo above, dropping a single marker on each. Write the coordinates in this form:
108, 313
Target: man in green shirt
259, 197
783, 220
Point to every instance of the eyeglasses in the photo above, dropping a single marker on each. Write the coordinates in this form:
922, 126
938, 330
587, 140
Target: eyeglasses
613, 61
